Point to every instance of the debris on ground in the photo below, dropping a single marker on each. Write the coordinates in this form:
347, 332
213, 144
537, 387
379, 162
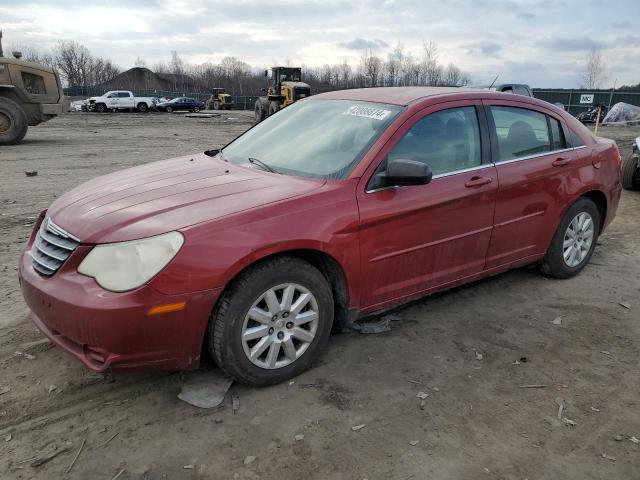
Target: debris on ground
609, 457
188, 467
626, 305
422, 395
358, 427
235, 402
75, 459
299, 437
413, 443
635, 440
31, 173
533, 386
202, 115
569, 422
595, 409
382, 325
4, 390
117, 475
557, 321
249, 460
479, 355
18, 353
48, 455
560, 404
7, 438
51, 389
206, 390
110, 438
618, 438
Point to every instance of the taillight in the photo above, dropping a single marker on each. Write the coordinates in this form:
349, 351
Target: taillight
617, 156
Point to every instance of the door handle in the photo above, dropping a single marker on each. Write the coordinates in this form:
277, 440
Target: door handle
477, 182
561, 162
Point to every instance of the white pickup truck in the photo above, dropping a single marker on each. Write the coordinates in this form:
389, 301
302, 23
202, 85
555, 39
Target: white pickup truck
120, 100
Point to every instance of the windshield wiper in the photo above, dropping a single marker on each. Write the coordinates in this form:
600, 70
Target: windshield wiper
260, 163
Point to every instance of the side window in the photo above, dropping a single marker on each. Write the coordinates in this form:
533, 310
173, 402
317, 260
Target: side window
574, 139
557, 135
447, 141
521, 132
520, 90
123, 94
33, 84
112, 95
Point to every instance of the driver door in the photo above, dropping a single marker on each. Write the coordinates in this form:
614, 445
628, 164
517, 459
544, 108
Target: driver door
416, 238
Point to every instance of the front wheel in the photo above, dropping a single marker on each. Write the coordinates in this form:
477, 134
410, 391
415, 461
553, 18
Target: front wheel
574, 240
13, 122
272, 323
168, 109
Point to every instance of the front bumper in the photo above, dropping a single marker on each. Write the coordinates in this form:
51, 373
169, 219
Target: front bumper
113, 330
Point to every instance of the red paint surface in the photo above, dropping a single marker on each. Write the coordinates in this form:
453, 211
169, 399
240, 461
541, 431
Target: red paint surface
393, 245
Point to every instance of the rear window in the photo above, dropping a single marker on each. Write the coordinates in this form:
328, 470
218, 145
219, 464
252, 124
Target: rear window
33, 83
521, 132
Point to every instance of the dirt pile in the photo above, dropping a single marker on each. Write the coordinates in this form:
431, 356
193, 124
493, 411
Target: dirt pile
138, 78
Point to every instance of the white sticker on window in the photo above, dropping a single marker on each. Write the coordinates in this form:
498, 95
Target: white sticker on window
368, 112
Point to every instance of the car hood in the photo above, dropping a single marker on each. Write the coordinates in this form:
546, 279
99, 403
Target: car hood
168, 195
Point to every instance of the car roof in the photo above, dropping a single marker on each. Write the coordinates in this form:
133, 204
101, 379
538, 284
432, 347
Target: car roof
395, 95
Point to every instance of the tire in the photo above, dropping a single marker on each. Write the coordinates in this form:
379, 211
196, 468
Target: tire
101, 108
274, 107
197, 109
168, 109
143, 108
230, 319
259, 111
554, 263
13, 122
216, 105
630, 176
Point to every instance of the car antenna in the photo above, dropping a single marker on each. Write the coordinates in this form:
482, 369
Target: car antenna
494, 81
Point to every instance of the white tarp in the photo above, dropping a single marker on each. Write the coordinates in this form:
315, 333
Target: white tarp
623, 113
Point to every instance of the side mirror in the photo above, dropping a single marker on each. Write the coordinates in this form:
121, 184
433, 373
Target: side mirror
263, 90
266, 73
402, 172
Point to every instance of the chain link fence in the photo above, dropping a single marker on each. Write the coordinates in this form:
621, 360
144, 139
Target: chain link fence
576, 101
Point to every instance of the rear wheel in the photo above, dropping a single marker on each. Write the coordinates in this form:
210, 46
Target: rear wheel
272, 323
574, 240
13, 122
631, 173
143, 108
274, 107
216, 105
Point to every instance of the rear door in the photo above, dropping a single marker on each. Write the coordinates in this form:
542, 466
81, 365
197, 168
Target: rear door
415, 238
533, 164
126, 99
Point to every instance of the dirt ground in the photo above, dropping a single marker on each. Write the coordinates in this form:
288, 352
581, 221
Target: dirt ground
470, 349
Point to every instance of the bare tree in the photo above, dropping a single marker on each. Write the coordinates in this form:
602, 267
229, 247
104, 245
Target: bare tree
594, 73
140, 63
370, 67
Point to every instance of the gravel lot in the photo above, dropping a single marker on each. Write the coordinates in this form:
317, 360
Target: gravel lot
470, 349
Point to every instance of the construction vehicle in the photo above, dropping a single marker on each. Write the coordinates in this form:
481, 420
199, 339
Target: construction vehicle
29, 94
287, 87
219, 100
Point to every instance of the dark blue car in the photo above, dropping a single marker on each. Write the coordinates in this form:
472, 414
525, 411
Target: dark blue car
181, 103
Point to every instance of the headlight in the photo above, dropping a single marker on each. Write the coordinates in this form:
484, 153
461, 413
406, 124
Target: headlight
127, 265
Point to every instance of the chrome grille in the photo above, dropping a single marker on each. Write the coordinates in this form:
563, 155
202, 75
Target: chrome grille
51, 247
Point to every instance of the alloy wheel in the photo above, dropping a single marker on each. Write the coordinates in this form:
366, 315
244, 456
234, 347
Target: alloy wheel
577, 239
280, 326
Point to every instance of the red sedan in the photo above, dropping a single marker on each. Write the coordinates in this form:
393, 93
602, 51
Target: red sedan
337, 207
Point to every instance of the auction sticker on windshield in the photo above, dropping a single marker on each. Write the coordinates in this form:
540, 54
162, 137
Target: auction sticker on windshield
368, 112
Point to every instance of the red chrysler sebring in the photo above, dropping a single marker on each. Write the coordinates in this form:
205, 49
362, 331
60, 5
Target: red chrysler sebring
339, 206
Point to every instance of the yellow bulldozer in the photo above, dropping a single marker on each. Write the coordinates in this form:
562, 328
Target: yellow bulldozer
219, 100
286, 88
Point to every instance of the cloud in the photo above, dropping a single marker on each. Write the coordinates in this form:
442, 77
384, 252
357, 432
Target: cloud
484, 48
575, 44
362, 44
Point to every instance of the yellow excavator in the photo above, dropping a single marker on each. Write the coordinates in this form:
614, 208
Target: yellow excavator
219, 100
286, 88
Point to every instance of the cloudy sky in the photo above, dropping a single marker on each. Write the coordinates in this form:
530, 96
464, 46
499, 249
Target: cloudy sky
539, 42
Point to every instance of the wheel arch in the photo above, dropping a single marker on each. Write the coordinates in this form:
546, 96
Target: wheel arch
600, 199
326, 263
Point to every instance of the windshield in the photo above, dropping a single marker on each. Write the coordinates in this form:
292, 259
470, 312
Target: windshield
318, 138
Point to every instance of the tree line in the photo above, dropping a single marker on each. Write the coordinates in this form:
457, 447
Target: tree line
79, 67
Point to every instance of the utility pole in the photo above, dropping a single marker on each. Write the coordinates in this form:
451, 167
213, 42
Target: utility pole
1, 54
